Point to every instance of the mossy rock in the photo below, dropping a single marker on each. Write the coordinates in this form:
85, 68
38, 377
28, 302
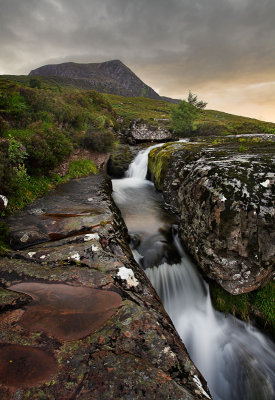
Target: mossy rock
257, 306
119, 161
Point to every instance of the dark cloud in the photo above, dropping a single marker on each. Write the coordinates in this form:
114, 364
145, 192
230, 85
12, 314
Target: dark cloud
173, 45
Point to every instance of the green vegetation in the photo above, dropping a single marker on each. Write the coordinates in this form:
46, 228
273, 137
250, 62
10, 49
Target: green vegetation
41, 123
81, 167
185, 114
207, 122
219, 123
259, 303
154, 112
183, 117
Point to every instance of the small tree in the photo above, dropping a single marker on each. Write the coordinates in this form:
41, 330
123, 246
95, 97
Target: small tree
185, 113
193, 99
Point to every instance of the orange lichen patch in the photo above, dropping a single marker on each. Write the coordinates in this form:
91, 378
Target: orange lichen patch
23, 366
66, 312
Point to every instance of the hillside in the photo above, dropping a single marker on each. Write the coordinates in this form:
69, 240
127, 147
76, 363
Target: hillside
154, 111
40, 128
107, 77
209, 122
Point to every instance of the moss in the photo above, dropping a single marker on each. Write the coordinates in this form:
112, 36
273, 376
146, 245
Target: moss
264, 301
158, 163
258, 304
119, 160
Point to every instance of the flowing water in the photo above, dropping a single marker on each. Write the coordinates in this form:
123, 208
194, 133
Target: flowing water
236, 359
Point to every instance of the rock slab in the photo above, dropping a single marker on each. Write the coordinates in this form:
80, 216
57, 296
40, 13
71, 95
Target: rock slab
75, 240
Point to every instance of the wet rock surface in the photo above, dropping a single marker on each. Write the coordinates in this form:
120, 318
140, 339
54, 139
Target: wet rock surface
23, 366
223, 189
66, 312
75, 249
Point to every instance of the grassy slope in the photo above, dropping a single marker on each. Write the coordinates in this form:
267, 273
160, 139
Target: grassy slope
210, 121
155, 111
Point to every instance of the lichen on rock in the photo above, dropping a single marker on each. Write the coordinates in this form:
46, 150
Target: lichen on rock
227, 213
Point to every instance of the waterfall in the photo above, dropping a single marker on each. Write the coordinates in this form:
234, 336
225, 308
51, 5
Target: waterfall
235, 358
138, 167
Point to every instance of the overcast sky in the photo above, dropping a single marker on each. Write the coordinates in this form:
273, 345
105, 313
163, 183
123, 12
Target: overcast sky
223, 50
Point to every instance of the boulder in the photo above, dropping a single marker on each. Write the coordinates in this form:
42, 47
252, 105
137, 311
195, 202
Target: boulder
223, 190
140, 131
119, 161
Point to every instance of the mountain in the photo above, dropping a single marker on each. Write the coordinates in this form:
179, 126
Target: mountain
108, 77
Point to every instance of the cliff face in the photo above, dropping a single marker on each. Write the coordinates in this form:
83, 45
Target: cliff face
80, 318
109, 77
224, 192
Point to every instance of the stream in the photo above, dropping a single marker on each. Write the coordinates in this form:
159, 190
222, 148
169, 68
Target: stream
236, 359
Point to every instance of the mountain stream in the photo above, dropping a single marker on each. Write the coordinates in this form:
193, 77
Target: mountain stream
236, 359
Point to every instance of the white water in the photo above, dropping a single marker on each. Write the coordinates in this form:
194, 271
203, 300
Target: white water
236, 359
138, 168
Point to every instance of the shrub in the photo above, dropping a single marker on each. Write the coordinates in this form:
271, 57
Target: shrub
15, 103
47, 146
35, 83
17, 152
4, 126
183, 117
7, 172
99, 141
210, 129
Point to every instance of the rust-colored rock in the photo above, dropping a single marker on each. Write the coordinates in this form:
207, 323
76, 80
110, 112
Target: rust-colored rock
23, 366
66, 312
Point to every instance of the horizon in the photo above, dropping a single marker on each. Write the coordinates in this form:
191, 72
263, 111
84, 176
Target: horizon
223, 51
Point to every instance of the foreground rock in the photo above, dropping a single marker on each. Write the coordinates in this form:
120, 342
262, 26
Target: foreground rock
223, 190
79, 319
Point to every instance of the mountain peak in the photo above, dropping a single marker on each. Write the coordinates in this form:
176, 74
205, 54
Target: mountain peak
110, 77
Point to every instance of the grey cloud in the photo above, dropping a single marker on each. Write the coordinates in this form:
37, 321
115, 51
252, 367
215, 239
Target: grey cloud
173, 45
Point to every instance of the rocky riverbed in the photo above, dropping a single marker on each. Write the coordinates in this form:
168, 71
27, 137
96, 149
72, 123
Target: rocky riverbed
223, 189
79, 319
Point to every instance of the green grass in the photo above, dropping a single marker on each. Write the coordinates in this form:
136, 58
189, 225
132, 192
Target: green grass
230, 124
209, 121
81, 168
155, 112
31, 187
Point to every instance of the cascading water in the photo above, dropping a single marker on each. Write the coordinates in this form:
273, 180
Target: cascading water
236, 359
